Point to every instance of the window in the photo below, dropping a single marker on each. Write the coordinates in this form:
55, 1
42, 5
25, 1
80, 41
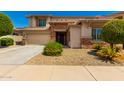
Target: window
42, 22
96, 34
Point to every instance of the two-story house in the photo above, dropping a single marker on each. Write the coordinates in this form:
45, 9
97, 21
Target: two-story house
72, 31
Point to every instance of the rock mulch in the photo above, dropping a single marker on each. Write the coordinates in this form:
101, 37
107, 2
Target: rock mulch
72, 57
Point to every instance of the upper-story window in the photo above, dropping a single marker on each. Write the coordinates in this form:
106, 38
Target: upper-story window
96, 34
42, 22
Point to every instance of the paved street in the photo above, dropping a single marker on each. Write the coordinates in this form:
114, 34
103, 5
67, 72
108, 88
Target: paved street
19, 55
62, 73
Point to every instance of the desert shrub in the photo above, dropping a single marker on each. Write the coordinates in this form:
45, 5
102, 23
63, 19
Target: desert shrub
107, 53
53, 49
97, 46
6, 41
6, 25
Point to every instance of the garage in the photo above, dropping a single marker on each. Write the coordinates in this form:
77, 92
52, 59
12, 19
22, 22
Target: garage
38, 38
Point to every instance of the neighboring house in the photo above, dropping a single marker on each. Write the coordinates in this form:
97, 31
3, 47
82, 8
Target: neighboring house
72, 31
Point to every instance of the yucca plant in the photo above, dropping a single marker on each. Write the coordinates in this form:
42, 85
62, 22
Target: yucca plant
107, 53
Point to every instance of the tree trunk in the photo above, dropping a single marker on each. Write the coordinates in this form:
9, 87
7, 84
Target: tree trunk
123, 46
111, 45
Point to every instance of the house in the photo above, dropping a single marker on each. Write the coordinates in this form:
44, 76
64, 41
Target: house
72, 31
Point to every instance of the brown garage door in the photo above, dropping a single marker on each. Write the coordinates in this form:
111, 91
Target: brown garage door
38, 39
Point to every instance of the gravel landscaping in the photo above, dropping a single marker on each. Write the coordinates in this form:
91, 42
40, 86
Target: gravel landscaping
72, 57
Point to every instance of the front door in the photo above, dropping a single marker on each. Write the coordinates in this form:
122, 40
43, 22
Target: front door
61, 37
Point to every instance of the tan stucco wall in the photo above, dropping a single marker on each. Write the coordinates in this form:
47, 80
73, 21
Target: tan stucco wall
75, 36
86, 31
60, 30
32, 22
17, 38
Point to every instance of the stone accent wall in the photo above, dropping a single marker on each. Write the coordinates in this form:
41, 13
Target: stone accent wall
86, 42
52, 34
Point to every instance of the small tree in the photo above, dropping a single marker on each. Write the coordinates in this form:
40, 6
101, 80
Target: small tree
113, 32
6, 26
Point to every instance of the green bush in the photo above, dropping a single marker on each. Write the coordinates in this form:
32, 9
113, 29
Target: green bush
53, 49
6, 41
113, 32
107, 53
97, 46
6, 25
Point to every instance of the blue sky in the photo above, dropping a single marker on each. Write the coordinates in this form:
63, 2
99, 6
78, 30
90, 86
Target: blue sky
19, 17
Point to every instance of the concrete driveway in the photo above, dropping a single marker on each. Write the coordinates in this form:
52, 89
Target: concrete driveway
20, 54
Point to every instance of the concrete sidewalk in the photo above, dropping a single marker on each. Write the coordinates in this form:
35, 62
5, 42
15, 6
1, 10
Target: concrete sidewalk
67, 73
